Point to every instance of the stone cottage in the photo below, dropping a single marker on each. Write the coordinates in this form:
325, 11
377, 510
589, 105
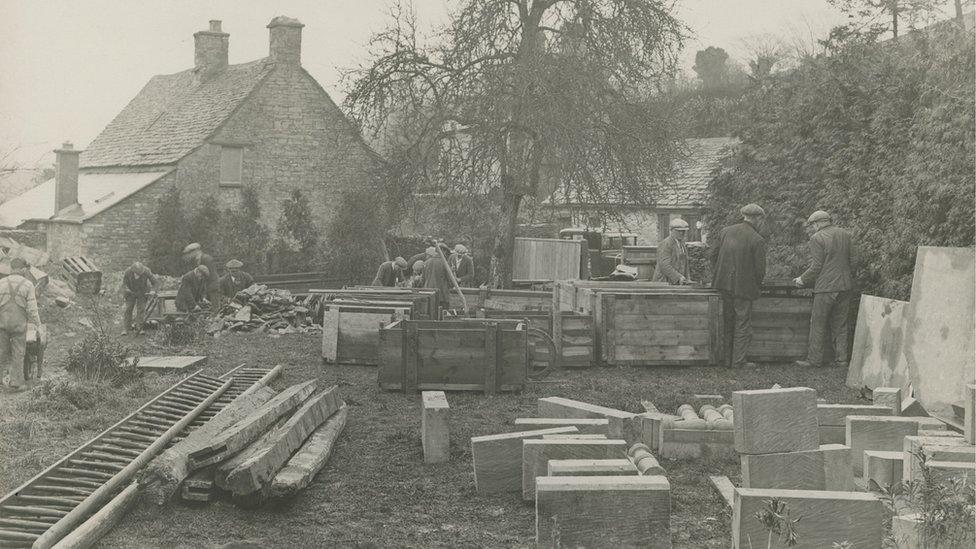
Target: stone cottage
683, 196
210, 130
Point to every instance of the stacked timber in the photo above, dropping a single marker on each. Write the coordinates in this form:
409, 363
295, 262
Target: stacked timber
82, 275
259, 308
263, 445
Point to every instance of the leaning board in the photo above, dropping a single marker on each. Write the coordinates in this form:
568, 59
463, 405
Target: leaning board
170, 363
876, 357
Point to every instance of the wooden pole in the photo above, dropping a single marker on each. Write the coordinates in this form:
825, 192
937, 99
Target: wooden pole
464, 302
102, 495
88, 534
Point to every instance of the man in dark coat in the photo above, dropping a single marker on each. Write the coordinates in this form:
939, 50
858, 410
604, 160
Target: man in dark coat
830, 276
391, 273
437, 275
192, 295
738, 267
138, 283
672, 255
235, 280
422, 256
194, 255
463, 266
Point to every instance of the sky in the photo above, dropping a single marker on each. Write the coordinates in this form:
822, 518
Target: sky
67, 67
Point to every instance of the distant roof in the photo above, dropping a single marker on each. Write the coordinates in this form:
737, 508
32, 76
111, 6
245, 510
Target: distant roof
688, 187
96, 193
173, 115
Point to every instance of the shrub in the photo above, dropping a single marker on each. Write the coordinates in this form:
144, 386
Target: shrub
244, 237
100, 356
355, 238
63, 395
170, 236
205, 226
297, 241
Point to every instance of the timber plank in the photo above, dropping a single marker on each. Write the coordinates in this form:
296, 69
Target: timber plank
497, 459
310, 458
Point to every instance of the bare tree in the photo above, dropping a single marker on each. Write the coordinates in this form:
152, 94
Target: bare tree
763, 52
514, 96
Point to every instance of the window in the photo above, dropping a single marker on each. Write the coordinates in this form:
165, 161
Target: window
231, 159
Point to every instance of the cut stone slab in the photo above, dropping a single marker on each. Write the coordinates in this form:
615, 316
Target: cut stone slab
889, 397
934, 449
497, 459
769, 421
826, 517
834, 414
649, 425
435, 427
876, 358
826, 468
913, 408
536, 454
942, 471
833, 434
725, 488
882, 468
969, 424
695, 443
944, 433
587, 426
579, 436
876, 433
591, 467
608, 511
621, 424
302, 467
908, 531
170, 363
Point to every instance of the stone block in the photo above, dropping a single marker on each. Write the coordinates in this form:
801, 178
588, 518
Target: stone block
942, 471
908, 531
834, 414
695, 443
584, 425
913, 408
827, 517
580, 436
621, 424
497, 459
889, 397
833, 434
769, 421
933, 449
882, 468
591, 467
944, 433
435, 427
826, 468
536, 454
650, 425
969, 424
607, 511
876, 433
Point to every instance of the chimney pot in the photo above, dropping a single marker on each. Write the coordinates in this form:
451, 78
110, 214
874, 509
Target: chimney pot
285, 45
210, 51
65, 177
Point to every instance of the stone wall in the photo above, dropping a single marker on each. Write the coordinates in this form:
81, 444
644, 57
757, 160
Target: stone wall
33, 238
294, 137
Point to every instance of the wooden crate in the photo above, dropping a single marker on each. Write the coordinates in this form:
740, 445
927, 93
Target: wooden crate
503, 300
423, 301
575, 339
82, 275
658, 329
642, 257
781, 329
453, 355
539, 355
547, 259
350, 333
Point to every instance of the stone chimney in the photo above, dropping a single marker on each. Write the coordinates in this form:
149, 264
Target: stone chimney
286, 40
210, 51
65, 177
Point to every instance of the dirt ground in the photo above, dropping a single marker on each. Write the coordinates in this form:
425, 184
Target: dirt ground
376, 491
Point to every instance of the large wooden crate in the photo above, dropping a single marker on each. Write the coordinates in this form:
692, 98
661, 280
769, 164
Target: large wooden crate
574, 338
781, 329
453, 355
351, 333
422, 301
538, 259
503, 300
539, 356
658, 329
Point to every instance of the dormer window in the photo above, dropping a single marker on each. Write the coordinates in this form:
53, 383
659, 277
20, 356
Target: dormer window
231, 159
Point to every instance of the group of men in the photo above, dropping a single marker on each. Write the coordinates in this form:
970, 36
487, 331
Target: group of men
437, 267
738, 269
200, 287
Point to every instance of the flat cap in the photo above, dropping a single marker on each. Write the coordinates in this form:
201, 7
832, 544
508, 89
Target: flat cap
752, 209
191, 248
460, 249
678, 223
234, 264
202, 269
400, 262
431, 251
18, 263
818, 215
418, 266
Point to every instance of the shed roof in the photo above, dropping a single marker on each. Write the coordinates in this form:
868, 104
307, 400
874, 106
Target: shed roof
172, 115
96, 193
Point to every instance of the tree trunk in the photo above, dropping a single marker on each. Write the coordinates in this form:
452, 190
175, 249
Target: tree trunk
502, 262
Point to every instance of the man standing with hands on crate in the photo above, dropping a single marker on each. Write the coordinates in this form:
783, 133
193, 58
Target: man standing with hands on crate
138, 283
738, 267
18, 308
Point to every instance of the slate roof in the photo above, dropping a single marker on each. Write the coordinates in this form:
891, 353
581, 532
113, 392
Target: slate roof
688, 187
172, 115
96, 193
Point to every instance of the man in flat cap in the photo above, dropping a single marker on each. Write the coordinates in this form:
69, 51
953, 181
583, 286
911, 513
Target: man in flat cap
193, 255
235, 280
138, 283
416, 279
672, 255
830, 277
391, 273
18, 308
192, 295
738, 267
462, 265
422, 256
437, 275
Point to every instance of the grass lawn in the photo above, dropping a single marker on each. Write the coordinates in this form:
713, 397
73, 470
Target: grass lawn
376, 491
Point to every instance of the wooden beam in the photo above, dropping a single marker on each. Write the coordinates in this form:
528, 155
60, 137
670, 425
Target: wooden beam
310, 458
99, 524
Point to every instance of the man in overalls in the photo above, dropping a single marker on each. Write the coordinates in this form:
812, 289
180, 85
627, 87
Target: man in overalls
18, 307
